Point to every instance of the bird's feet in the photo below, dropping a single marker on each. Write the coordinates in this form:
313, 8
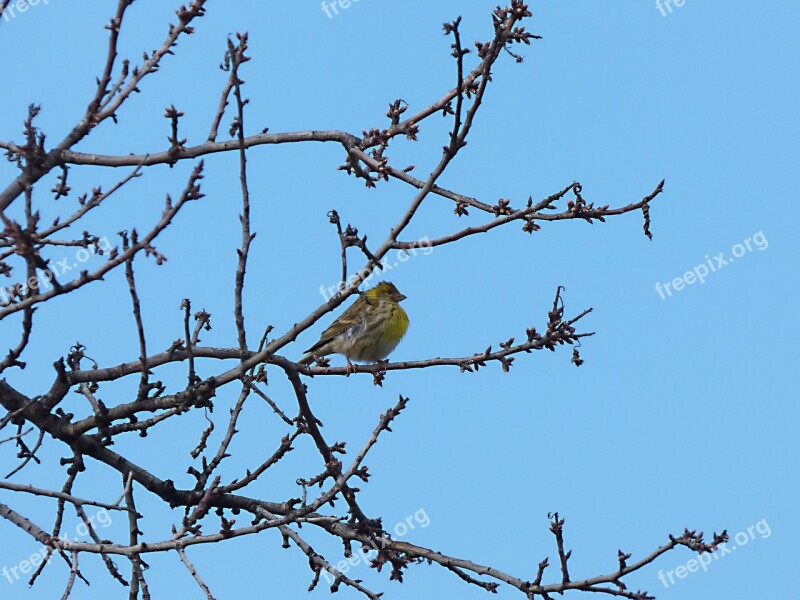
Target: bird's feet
351, 368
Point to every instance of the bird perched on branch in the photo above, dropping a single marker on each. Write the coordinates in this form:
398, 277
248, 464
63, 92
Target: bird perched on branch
367, 331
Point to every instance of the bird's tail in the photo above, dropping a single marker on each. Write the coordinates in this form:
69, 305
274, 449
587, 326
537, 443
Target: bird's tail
307, 359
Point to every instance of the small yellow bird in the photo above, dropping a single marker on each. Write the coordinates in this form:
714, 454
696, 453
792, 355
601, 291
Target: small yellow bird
368, 330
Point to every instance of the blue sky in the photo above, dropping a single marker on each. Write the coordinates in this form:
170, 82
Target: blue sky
681, 416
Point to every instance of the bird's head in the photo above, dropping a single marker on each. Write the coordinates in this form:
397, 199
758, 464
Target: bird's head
384, 291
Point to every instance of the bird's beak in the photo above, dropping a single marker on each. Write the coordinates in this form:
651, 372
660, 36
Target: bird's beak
400, 297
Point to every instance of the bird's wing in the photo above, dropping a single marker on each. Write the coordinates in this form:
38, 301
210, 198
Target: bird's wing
352, 318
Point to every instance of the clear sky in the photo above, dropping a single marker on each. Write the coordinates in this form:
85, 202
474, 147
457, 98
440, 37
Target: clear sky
681, 416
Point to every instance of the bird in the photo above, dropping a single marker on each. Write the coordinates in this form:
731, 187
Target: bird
368, 331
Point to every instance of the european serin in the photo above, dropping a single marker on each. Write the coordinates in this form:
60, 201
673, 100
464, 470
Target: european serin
368, 330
